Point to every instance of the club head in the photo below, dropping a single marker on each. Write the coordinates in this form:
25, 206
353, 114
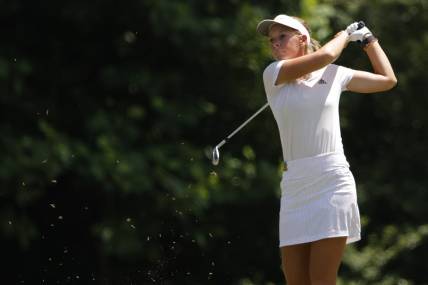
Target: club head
216, 156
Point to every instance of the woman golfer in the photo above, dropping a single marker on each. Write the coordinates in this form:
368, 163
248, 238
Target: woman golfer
319, 212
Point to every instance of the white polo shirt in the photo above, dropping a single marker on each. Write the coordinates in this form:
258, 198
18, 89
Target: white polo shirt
307, 111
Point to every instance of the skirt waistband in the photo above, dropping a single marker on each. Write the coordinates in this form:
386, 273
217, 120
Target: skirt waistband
308, 166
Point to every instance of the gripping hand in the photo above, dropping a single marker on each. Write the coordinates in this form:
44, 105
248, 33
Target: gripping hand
352, 28
360, 35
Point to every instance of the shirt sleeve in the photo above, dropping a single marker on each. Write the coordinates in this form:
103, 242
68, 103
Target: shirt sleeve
270, 75
345, 75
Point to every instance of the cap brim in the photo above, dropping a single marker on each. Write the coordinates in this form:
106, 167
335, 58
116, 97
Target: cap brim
263, 27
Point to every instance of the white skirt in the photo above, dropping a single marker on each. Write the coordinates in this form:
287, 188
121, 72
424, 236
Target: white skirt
319, 201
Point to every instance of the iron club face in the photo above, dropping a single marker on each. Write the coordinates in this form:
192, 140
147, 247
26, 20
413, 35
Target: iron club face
216, 156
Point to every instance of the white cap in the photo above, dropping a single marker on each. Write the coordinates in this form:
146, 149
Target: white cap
264, 26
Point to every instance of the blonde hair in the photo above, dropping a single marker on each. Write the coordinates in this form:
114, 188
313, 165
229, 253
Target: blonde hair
314, 45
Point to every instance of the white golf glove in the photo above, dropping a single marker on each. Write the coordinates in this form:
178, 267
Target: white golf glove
352, 28
360, 35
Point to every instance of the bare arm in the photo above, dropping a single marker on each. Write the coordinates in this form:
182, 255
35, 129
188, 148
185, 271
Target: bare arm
295, 68
383, 77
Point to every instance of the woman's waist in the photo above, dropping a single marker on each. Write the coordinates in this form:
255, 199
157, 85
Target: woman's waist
313, 165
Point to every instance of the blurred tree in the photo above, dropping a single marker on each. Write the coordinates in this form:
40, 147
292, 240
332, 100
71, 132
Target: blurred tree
109, 112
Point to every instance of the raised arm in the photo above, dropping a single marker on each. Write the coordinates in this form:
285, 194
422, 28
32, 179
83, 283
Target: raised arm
294, 68
382, 78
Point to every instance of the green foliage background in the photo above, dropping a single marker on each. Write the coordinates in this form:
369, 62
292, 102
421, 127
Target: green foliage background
110, 109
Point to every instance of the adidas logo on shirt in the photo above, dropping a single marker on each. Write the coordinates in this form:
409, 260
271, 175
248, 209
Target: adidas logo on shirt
322, 81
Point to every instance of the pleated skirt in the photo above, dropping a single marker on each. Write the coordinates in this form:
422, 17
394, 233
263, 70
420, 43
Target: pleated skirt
318, 201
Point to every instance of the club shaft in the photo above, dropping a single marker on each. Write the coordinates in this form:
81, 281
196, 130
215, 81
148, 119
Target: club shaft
242, 125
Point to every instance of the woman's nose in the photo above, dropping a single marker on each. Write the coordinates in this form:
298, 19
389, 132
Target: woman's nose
276, 44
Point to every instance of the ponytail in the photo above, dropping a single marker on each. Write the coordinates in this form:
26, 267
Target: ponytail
314, 45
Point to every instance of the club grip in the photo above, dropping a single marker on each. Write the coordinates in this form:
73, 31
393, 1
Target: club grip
361, 24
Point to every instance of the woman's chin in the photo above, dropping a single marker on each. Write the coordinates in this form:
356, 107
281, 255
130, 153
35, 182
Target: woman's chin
281, 56
278, 56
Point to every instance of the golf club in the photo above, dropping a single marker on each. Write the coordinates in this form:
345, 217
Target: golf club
216, 153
